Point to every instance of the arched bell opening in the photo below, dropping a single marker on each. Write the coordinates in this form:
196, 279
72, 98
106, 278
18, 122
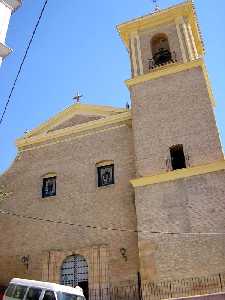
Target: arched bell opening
161, 49
74, 272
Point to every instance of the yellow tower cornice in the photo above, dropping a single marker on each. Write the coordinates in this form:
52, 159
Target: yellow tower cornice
179, 174
172, 69
164, 16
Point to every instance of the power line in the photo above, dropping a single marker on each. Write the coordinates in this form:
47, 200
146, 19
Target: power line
23, 60
35, 218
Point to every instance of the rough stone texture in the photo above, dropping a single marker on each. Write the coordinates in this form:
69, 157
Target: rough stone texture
170, 110
78, 201
194, 204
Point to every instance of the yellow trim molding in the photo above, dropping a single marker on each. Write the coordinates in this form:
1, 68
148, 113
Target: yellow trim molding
70, 138
75, 109
179, 174
104, 163
172, 69
163, 16
48, 175
124, 117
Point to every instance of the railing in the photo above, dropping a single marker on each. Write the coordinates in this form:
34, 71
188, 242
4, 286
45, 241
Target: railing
163, 289
162, 59
116, 293
184, 287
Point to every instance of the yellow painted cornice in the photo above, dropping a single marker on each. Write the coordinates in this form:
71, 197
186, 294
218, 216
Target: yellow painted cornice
124, 117
172, 69
179, 174
164, 16
75, 109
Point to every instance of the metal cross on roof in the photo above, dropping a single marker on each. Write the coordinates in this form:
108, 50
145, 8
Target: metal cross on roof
155, 2
77, 97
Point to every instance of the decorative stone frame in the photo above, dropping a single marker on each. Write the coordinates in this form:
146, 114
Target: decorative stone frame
97, 258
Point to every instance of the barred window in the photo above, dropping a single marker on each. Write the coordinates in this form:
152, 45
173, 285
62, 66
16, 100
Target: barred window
49, 187
105, 175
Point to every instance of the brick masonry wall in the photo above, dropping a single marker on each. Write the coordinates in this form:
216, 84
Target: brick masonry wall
194, 204
78, 201
170, 110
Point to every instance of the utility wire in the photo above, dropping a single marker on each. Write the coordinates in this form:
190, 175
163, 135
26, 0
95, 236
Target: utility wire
33, 218
22, 63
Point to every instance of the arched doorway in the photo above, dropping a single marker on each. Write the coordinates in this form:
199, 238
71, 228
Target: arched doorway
74, 271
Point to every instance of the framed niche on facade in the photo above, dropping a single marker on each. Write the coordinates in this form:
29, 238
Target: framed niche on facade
105, 174
49, 186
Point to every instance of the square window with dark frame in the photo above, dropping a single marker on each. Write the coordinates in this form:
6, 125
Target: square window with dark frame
105, 175
49, 187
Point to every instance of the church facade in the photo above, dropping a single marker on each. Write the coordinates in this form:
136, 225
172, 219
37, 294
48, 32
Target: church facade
100, 196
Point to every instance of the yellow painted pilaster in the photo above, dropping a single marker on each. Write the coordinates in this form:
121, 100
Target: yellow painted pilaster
139, 55
133, 55
187, 39
183, 52
192, 41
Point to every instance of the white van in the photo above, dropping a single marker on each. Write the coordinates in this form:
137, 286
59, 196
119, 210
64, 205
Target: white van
24, 289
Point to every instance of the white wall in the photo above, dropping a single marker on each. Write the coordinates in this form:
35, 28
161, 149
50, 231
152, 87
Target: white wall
5, 14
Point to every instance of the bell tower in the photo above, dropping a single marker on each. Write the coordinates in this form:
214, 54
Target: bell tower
177, 147
172, 101
7, 7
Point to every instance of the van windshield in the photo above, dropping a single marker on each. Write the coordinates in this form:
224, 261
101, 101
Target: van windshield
66, 296
16, 291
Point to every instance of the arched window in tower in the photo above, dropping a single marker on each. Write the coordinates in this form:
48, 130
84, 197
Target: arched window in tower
177, 157
160, 49
74, 272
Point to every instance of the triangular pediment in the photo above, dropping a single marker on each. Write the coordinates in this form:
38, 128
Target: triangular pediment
74, 115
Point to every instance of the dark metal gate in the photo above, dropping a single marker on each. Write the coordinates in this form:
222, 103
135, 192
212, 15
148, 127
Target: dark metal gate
74, 271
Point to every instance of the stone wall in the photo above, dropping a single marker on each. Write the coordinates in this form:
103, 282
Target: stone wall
190, 205
170, 110
78, 201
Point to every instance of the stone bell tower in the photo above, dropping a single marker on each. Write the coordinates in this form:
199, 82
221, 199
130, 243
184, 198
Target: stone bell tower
7, 7
179, 160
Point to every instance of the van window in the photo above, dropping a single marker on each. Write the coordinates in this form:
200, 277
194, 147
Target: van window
65, 296
49, 295
16, 291
33, 294
9, 290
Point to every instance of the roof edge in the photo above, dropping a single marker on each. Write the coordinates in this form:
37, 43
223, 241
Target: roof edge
77, 129
71, 111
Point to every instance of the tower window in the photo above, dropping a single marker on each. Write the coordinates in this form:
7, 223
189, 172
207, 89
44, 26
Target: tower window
49, 187
177, 157
105, 175
161, 49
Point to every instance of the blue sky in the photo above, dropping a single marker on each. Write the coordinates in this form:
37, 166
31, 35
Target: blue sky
77, 47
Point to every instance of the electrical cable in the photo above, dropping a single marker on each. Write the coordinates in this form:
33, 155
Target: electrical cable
33, 218
23, 60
